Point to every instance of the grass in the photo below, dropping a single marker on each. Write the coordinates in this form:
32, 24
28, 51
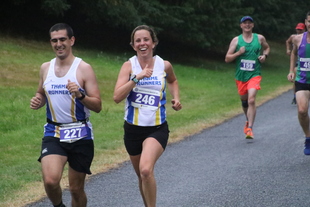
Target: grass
207, 89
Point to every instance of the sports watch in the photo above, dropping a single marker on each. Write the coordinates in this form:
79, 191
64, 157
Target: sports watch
83, 95
134, 78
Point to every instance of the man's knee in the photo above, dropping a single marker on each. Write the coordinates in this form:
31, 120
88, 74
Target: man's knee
244, 103
302, 112
51, 184
76, 191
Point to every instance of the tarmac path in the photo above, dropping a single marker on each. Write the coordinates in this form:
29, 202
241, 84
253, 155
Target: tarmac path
220, 168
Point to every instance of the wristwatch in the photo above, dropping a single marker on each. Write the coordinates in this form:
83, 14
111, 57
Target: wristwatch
134, 79
83, 95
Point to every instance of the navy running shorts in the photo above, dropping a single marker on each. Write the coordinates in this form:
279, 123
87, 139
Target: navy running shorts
135, 135
80, 154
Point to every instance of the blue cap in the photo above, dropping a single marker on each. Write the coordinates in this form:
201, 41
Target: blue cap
246, 18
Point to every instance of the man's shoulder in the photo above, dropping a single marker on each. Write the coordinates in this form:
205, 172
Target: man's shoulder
292, 36
84, 65
297, 38
235, 39
261, 38
298, 35
45, 65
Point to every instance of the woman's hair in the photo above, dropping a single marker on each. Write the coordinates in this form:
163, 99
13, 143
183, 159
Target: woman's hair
145, 27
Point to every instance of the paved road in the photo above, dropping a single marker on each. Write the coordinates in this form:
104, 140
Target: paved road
219, 168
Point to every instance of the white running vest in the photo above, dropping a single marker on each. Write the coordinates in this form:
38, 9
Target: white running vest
62, 107
145, 104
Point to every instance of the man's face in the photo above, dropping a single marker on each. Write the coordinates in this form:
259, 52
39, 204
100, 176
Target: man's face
61, 43
299, 31
247, 25
307, 23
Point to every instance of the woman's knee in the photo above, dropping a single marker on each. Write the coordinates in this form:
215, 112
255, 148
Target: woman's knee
146, 173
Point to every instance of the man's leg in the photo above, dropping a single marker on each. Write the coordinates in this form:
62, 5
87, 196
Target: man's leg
302, 98
52, 169
249, 108
251, 112
76, 183
245, 105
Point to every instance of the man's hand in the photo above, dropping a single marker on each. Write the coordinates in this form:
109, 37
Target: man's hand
291, 77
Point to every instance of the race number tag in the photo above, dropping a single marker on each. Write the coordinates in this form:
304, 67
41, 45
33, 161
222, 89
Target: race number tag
247, 65
145, 98
72, 132
304, 64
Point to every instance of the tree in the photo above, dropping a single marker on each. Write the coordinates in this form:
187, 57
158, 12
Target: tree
204, 24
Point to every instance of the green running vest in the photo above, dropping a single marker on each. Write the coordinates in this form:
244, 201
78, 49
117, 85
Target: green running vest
247, 64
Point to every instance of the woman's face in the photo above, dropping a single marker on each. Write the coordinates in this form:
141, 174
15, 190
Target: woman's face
143, 43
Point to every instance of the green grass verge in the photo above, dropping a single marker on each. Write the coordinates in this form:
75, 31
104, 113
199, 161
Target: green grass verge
207, 89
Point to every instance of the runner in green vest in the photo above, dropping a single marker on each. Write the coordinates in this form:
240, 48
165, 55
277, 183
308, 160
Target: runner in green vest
245, 50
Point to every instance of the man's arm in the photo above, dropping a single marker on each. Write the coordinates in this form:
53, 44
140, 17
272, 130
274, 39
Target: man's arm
289, 43
265, 45
92, 99
293, 58
231, 55
39, 99
266, 49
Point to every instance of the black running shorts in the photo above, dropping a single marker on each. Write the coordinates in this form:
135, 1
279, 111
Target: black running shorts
80, 154
301, 86
135, 135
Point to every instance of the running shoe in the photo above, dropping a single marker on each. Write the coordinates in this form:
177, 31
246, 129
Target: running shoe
307, 147
294, 101
246, 127
249, 135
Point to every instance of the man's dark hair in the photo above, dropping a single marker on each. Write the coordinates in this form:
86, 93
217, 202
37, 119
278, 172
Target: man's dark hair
62, 26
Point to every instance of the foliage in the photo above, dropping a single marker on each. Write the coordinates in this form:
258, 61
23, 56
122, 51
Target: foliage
206, 24
56, 7
273, 17
203, 24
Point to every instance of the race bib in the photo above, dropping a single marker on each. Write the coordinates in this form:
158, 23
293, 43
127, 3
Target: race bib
247, 65
72, 132
304, 64
145, 98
